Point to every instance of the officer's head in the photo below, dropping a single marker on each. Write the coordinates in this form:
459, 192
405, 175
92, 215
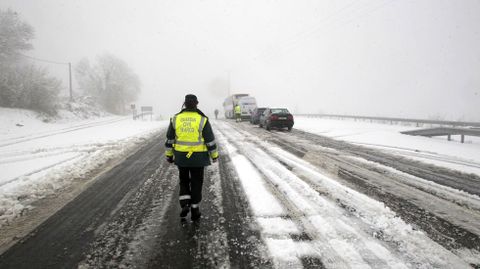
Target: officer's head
191, 101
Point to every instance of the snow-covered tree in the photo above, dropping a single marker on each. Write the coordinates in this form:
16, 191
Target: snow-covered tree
30, 87
22, 85
110, 80
15, 36
40, 91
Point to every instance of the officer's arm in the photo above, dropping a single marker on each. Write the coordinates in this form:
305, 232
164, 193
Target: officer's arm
209, 138
170, 140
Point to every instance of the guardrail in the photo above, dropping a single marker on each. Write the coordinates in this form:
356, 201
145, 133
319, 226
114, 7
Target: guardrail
394, 120
137, 116
443, 131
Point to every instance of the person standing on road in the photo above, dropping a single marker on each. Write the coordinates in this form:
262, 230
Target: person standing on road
216, 114
238, 113
190, 145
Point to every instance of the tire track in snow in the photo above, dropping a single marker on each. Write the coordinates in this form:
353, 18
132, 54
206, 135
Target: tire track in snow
247, 250
423, 154
28, 138
126, 241
268, 209
417, 254
448, 216
45, 168
18, 155
458, 180
307, 215
15, 157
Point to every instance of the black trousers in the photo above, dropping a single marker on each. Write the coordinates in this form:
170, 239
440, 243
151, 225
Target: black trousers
191, 181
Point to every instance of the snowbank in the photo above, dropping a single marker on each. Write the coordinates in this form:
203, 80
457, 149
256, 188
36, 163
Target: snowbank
38, 159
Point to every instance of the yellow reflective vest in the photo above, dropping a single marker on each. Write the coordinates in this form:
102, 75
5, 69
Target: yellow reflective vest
238, 110
188, 132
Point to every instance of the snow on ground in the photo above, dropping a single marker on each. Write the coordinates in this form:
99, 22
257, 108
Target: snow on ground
369, 235
38, 159
451, 154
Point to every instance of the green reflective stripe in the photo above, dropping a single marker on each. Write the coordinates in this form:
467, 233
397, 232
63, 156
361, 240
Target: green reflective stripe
184, 143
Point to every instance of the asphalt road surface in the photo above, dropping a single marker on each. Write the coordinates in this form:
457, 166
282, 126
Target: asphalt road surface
129, 217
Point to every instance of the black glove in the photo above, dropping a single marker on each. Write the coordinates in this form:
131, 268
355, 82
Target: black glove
170, 159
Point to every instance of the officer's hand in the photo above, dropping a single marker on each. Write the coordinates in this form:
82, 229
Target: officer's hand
214, 160
170, 159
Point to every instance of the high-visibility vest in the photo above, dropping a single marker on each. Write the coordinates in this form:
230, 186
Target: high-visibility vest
238, 110
188, 132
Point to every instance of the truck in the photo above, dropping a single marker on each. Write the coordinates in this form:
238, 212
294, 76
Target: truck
247, 105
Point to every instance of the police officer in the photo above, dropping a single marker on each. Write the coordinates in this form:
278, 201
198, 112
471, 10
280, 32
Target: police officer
190, 144
238, 113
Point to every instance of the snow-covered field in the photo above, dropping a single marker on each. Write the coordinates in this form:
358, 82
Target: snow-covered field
38, 159
451, 154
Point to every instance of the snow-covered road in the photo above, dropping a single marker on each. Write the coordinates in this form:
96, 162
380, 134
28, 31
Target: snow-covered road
388, 137
336, 224
274, 200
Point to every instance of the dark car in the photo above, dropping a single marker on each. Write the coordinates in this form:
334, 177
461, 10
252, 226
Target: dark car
256, 113
276, 118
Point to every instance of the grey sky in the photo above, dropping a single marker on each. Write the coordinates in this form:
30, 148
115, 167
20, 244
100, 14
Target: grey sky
375, 57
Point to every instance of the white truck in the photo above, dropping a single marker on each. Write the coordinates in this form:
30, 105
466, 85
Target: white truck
247, 105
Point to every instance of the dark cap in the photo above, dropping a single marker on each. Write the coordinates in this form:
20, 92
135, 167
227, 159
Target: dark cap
190, 98
190, 101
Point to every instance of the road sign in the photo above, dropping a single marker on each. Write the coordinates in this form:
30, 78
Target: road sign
147, 109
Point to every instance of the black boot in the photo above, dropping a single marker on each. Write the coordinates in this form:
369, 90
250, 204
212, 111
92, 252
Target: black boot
185, 210
195, 213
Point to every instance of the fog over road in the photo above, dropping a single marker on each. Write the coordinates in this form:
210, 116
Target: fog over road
275, 200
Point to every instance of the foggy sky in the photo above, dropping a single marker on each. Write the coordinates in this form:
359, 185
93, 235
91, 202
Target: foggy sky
377, 57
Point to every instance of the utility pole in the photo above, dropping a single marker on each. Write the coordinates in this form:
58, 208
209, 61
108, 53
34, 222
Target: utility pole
229, 83
70, 80
59, 63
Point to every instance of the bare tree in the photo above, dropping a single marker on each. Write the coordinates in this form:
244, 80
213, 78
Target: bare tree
111, 81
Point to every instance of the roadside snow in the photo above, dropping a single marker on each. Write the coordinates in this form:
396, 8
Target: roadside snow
38, 159
451, 154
